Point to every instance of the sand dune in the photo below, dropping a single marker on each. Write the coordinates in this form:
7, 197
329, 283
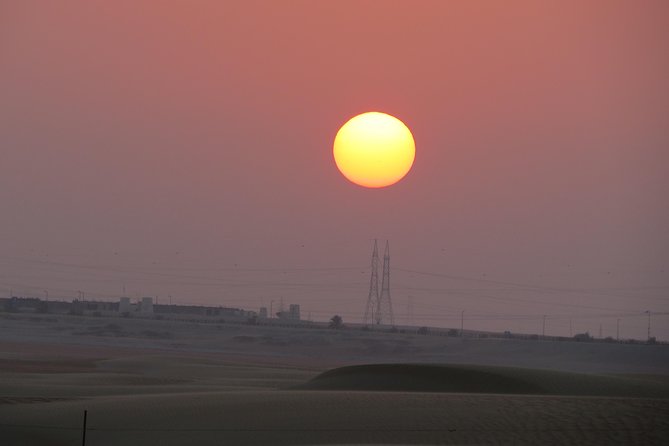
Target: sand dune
483, 379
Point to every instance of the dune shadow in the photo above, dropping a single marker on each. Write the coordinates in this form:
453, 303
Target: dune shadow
462, 378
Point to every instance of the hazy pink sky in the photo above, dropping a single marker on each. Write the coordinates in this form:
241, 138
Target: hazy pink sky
184, 148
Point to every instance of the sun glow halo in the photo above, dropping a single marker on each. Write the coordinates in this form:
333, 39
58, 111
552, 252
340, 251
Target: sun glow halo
374, 150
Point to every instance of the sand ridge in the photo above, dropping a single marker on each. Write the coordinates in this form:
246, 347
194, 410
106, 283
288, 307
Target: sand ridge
464, 378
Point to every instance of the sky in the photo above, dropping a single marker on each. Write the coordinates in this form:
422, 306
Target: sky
184, 149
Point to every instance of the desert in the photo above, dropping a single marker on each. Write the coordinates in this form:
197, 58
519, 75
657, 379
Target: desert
173, 382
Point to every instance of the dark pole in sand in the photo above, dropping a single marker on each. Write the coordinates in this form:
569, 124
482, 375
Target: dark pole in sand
83, 440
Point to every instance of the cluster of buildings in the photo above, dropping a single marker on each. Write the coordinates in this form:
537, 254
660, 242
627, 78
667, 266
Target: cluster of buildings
293, 313
144, 307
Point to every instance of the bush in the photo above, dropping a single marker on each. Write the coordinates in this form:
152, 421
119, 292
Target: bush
583, 337
336, 322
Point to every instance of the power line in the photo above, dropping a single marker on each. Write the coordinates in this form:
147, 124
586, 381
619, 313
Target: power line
515, 284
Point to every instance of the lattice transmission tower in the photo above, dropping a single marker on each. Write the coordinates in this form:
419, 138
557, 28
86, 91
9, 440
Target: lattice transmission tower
373, 298
384, 308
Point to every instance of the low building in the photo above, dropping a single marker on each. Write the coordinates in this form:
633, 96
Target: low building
146, 306
293, 313
124, 305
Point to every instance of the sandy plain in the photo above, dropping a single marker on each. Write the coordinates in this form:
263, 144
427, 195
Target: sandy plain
146, 382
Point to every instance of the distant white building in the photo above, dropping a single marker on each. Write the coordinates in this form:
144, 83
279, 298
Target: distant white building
146, 305
293, 313
124, 305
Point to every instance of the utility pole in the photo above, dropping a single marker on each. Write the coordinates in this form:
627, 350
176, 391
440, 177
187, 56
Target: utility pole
462, 324
648, 311
83, 440
543, 328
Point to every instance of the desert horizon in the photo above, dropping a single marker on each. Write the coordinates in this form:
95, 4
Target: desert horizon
142, 381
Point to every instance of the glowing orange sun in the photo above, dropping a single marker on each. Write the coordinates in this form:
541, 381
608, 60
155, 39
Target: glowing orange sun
374, 149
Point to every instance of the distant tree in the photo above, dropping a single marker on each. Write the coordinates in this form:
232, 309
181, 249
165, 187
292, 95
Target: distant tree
336, 322
583, 337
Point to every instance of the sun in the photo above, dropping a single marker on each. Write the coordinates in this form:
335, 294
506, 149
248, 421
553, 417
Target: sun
374, 150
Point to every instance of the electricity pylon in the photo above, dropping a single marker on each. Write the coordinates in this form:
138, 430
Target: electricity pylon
373, 297
384, 308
